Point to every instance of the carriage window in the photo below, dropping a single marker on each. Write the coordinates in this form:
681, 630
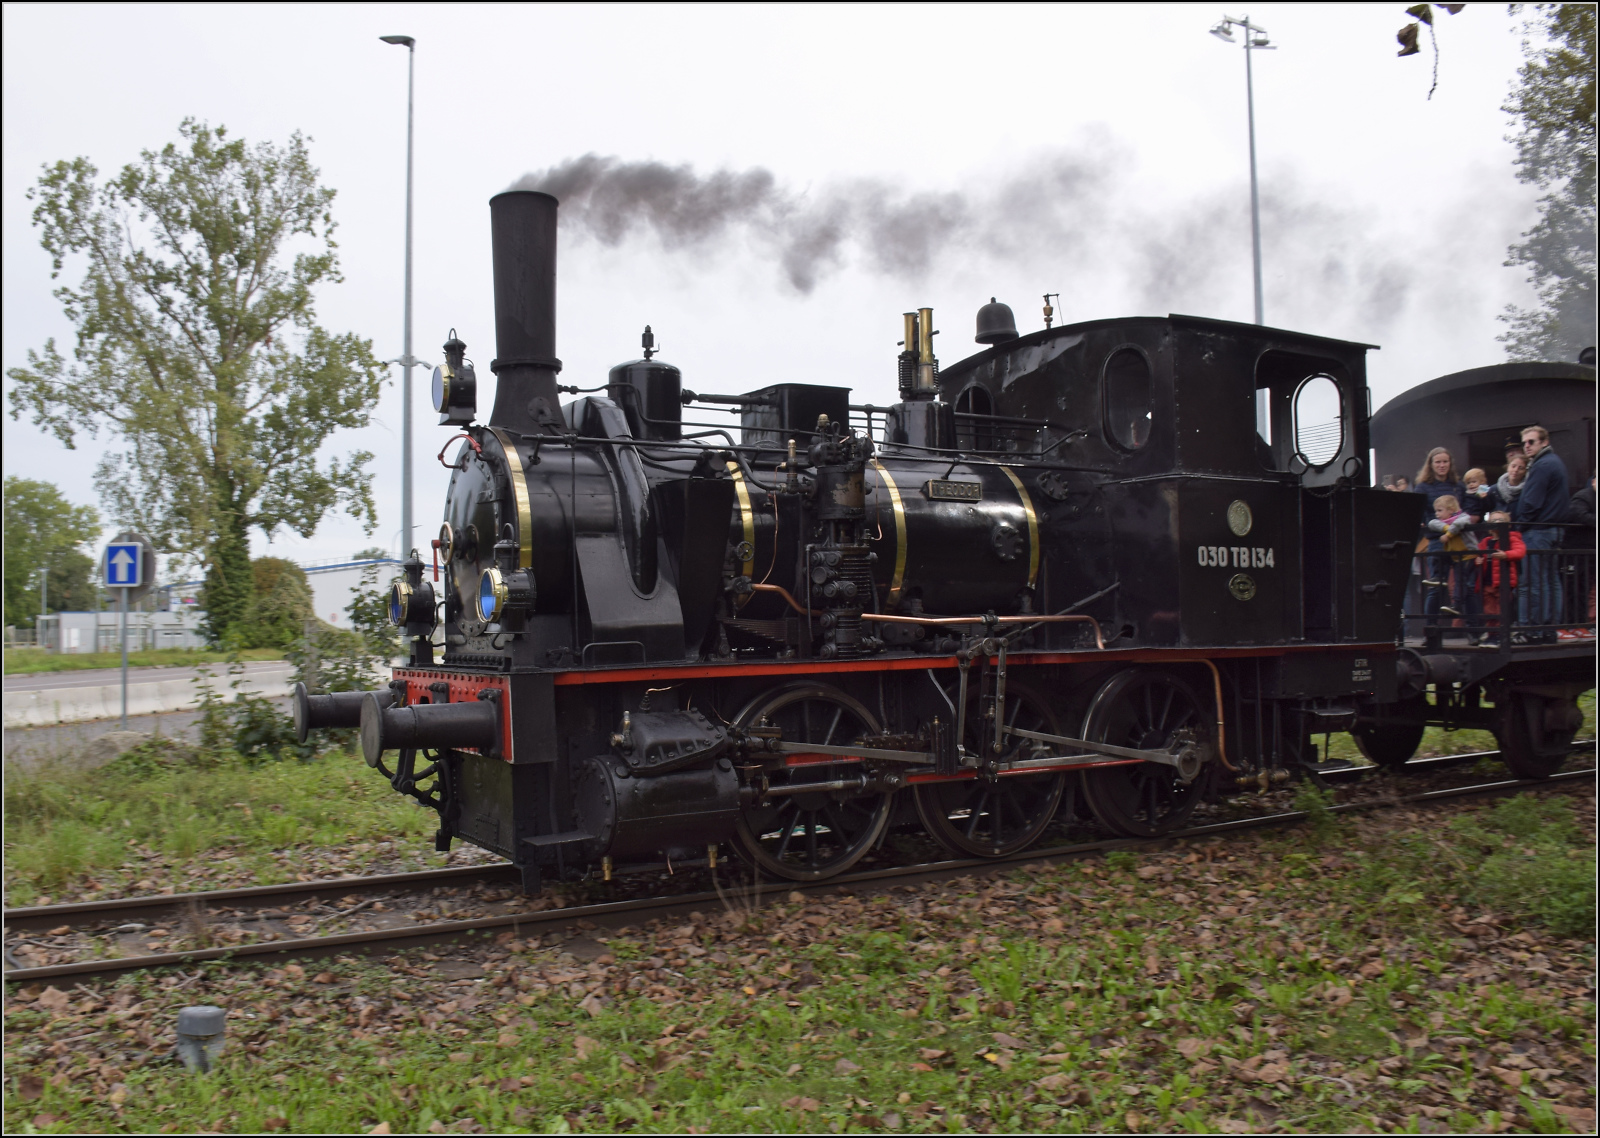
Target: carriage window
1318, 420
1128, 397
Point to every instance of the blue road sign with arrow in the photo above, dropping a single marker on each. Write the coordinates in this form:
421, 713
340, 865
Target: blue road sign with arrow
123, 564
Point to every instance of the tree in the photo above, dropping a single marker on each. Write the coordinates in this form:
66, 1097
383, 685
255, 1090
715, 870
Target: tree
280, 605
44, 533
197, 344
1553, 102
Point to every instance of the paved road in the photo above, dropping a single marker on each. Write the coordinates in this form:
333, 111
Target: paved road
32, 745
48, 698
101, 677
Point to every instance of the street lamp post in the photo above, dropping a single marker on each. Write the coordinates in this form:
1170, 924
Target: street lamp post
1254, 38
407, 361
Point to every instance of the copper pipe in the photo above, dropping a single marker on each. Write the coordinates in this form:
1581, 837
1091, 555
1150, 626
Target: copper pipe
784, 593
1222, 751
1216, 676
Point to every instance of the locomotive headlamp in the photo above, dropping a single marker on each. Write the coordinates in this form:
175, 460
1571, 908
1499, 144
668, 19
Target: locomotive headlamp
492, 595
505, 594
455, 385
399, 602
410, 604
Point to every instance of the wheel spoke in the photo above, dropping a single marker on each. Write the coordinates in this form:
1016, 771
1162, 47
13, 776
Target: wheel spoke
977, 814
811, 840
838, 713
1166, 709
788, 833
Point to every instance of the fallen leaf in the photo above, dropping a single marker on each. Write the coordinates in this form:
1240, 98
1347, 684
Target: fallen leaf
591, 1004
1000, 1059
324, 978
845, 1067
1053, 1082
53, 999
506, 1040
893, 1121
460, 1056
1338, 997
63, 930
1371, 969
381, 1128
1055, 1057
1510, 1078
794, 1069
435, 1127
1232, 1126
1134, 1119
30, 1087
1193, 1045
931, 1054
1152, 965
295, 970
920, 1067
797, 898
585, 1047
40, 1121
1005, 1040
799, 1102
1273, 1073
274, 1122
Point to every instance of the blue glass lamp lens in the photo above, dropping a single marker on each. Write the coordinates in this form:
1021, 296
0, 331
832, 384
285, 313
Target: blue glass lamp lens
438, 390
486, 602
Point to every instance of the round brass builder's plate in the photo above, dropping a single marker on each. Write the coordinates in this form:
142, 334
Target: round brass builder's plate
1240, 519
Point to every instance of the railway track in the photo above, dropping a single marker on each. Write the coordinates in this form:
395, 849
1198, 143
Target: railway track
268, 900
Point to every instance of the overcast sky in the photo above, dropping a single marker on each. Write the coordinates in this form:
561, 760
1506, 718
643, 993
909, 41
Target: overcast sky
1096, 152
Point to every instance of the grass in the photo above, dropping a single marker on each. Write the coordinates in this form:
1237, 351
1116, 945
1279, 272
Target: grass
1323, 989
160, 815
20, 661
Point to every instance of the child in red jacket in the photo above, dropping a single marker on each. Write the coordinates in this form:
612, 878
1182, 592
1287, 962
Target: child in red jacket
1497, 571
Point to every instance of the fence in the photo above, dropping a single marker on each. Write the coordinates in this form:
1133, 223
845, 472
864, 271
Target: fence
1509, 587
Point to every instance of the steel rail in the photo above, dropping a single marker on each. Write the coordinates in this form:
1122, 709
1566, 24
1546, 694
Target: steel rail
308, 947
32, 917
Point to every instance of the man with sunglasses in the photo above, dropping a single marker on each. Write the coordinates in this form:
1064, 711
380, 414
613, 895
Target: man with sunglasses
1543, 501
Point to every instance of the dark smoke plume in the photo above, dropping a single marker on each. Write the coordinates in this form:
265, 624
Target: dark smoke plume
897, 232
1074, 215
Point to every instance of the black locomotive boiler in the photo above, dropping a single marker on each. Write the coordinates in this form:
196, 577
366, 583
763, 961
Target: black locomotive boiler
1140, 558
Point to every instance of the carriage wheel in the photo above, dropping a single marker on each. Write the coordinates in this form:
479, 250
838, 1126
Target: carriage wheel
1535, 733
811, 836
1391, 745
1144, 708
993, 817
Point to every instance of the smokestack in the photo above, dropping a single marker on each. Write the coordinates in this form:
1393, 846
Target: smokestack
523, 233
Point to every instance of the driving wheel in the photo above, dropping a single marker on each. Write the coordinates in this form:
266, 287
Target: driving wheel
1145, 708
995, 816
804, 835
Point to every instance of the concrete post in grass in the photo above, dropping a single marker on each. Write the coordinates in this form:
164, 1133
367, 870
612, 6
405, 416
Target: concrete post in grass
202, 1032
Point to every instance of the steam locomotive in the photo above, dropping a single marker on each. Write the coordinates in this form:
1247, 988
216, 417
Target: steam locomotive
1136, 559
